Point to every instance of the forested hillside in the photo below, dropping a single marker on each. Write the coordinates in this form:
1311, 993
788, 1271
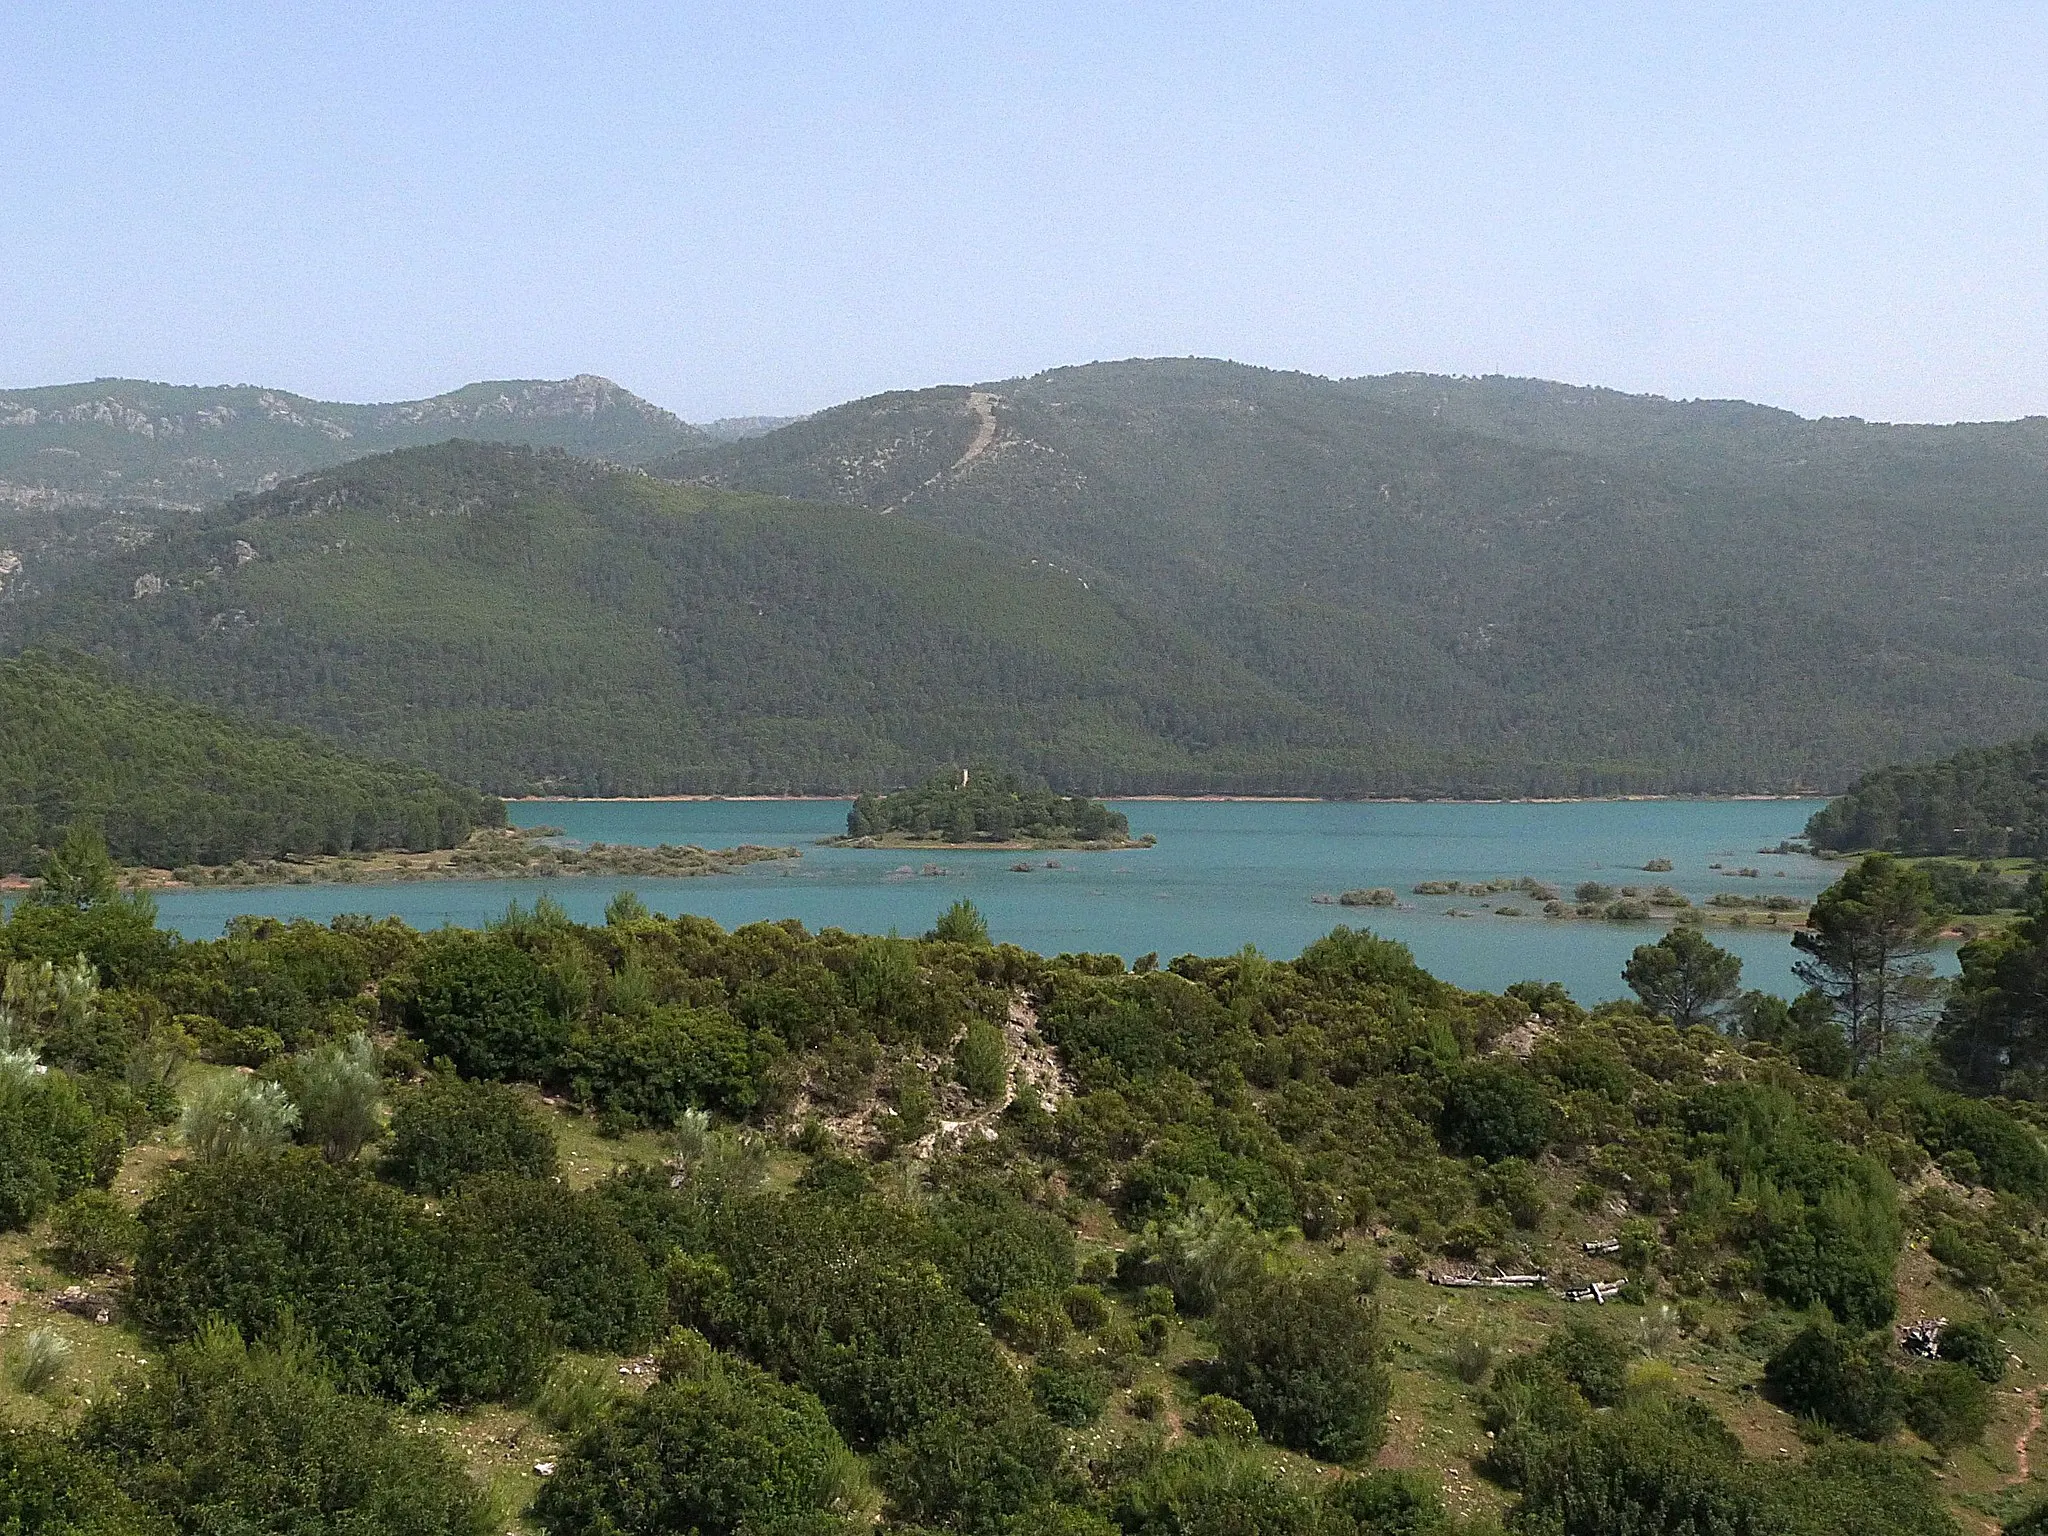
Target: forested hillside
1989, 804
654, 1227
171, 783
128, 441
1568, 591
522, 620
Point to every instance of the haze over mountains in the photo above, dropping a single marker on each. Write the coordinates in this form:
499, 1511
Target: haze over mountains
1172, 575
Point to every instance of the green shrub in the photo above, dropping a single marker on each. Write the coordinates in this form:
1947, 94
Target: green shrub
233, 1116
93, 1231
1032, 1320
1391, 1503
1976, 1345
1845, 1382
1495, 1110
982, 1061
1212, 1486
481, 1001
980, 1472
219, 1437
395, 1302
52, 1145
50, 1488
1087, 1308
728, 1455
574, 1253
1592, 1356
961, 923
1948, 1406
1217, 1417
1068, 1389
576, 1394
993, 1245
839, 1293
339, 1094
450, 1130
1301, 1351
657, 1064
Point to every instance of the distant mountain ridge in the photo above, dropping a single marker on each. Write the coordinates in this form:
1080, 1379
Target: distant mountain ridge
129, 442
1568, 590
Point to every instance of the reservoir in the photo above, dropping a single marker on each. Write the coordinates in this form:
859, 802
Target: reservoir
1224, 874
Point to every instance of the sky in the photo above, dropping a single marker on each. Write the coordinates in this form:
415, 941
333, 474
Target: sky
740, 209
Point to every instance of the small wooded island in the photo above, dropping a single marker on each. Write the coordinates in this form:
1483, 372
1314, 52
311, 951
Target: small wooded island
985, 810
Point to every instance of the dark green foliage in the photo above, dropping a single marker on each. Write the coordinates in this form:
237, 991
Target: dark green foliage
171, 784
1211, 1485
993, 1245
93, 1231
52, 1144
1301, 1351
394, 1301
1982, 803
49, 1488
1866, 940
1805, 1029
481, 1001
1069, 1389
731, 1453
571, 1248
1494, 1110
1994, 1030
961, 923
982, 1061
2003, 1154
1976, 1345
448, 1130
1391, 1503
1971, 891
1845, 1381
659, 1063
1684, 976
1948, 1406
843, 1297
981, 1473
989, 807
257, 1441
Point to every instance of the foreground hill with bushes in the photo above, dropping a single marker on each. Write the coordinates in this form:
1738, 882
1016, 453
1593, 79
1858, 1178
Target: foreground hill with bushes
170, 783
651, 1226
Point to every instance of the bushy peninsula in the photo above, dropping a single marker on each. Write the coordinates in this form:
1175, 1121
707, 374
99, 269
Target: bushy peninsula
170, 783
651, 1226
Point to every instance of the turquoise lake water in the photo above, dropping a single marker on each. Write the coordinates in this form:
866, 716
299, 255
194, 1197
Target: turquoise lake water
1223, 875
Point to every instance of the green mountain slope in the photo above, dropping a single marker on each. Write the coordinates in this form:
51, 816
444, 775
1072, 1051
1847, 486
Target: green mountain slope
1707, 597
117, 442
522, 620
175, 784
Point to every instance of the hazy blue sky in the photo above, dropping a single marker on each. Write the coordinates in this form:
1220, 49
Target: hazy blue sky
763, 208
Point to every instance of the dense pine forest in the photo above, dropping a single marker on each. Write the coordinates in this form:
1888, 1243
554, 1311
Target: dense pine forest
1987, 803
169, 783
655, 1227
1622, 589
1166, 576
